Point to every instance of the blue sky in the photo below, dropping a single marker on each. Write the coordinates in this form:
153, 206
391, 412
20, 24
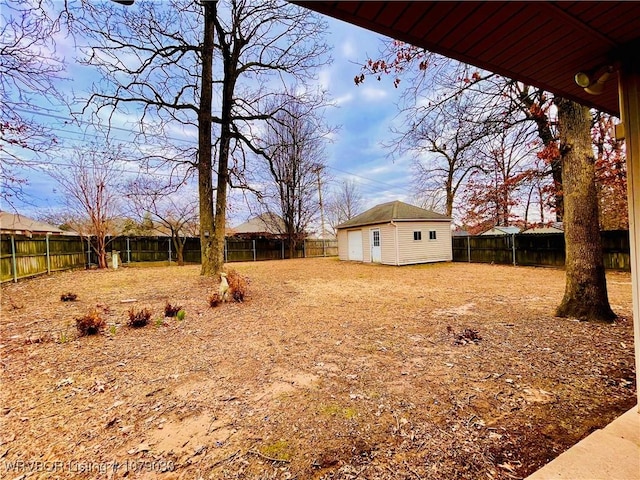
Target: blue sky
364, 114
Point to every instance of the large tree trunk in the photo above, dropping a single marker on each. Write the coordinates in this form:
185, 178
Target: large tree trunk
585, 294
230, 60
205, 171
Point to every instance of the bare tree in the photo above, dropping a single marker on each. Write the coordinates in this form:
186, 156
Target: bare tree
162, 57
90, 187
29, 72
167, 207
444, 142
294, 146
506, 167
344, 203
611, 175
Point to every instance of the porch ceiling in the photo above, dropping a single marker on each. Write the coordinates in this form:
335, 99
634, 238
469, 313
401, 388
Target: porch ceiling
541, 43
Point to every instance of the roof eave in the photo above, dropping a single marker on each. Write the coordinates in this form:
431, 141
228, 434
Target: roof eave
383, 222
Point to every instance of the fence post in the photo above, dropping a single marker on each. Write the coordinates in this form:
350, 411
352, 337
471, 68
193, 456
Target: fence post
48, 255
282, 243
128, 251
469, 248
324, 247
169, 252
513, 247
226, 250
304, 248
88, 253
14, 264
253, 242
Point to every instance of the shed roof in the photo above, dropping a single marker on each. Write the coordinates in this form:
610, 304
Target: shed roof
14, 222
393, 211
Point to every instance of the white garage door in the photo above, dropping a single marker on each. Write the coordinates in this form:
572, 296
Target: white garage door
355, 245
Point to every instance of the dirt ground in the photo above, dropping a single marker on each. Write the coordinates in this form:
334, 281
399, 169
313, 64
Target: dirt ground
328, 370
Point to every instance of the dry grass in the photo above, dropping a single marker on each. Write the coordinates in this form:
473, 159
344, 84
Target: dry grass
327, 370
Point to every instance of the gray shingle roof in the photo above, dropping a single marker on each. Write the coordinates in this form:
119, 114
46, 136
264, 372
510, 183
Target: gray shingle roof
10, 222
266, 223
393, 211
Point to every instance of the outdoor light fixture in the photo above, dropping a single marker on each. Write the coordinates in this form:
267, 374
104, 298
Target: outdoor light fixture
586, 79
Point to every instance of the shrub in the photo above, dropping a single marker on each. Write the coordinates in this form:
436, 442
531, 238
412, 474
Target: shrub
214, 300
68, 297
465, 337
170, 310
181, 314
91, 324
138, 319
238, 285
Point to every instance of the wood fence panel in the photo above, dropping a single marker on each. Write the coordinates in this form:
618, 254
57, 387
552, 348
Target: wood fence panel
31, 255
545, 249
66, 252
538, 249
491, 249
460, 246
321, 248
616, 248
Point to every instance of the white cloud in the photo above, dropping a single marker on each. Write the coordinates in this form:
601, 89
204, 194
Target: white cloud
341, 100
324, 78
348, 49
369, 93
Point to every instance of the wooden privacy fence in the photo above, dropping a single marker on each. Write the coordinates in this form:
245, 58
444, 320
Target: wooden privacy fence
22, 256
546, 249
153, 249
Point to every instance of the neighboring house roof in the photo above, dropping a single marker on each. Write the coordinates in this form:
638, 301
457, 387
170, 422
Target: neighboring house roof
460, 233
556, 227
501, 231
265, 224
21, 225
394, 211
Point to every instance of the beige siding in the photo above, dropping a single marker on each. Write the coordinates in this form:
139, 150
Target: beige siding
388, 244
425, 250
343, 245
407, 250
366, 244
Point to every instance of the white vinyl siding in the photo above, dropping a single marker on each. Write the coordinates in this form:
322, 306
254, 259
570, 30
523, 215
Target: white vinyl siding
343, 245
432, 250
397, 244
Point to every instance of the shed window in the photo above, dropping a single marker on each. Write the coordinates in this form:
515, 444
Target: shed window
432, 234
417, 236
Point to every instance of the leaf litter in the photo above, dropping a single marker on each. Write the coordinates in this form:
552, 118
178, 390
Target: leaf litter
327, 370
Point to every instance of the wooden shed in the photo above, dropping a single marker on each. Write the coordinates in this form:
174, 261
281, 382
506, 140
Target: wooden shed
396, 233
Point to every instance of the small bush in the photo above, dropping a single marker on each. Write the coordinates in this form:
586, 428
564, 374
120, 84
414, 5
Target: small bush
238, 285
181, 314
465, 337
170, 310
91, 324
68, 297
214, 300
138, 319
